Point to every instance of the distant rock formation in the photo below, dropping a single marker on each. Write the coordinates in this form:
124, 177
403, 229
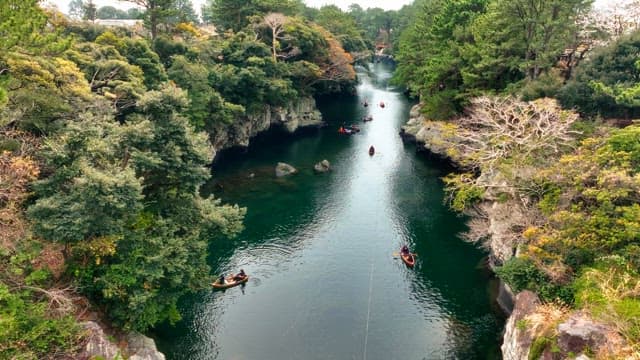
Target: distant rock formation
298, 114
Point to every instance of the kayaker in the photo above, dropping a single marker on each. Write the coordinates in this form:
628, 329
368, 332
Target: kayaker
239, 276
404, 250
221, 279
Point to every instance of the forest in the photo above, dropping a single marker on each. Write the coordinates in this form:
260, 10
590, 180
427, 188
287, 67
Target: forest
105, 143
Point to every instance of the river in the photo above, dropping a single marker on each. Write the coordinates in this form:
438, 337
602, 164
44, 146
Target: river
324, 283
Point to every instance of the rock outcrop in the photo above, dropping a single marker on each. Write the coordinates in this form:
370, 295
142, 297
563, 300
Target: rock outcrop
517, 339
98, 345
533, 330
299, 114
500, 214
580, 334
141, 347
284, 169
322, 166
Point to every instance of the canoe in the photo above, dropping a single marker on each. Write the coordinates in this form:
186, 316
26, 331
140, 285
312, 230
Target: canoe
229, 282
408, 259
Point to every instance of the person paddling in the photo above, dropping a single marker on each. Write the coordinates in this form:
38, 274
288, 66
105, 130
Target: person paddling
240, 276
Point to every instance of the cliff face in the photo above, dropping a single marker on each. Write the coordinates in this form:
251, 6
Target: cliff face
499, 216
533, 330
296, 115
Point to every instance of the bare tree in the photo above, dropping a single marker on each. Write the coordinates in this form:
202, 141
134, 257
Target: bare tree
499, 128
275, 22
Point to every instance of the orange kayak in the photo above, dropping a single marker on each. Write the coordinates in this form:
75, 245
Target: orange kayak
229, 282
408, 259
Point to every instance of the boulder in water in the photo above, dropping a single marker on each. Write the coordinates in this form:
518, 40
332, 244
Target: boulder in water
322, 166
283, 169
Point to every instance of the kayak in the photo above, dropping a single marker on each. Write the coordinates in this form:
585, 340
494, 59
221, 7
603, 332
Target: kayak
408, 259
229, 282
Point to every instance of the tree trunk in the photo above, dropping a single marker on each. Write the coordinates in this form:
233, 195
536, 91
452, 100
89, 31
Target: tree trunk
273, 43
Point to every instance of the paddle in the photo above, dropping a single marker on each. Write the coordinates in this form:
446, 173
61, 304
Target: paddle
396, 254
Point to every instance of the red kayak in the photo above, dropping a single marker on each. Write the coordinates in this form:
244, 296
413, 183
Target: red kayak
408, 259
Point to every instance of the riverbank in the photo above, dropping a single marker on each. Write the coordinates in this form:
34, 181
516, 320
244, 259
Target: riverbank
505, 219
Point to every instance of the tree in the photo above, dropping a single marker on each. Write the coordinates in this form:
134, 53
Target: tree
76, 9
110, 12
342, 26
236, 14
604, 83
528, 36
22, 24
275, 22
90, 11
434, 57
157, 12
496, 129
185, 12
207, 108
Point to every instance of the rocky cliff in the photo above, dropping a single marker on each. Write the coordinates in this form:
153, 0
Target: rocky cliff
500, 214
533, 330
296, 115
133, 346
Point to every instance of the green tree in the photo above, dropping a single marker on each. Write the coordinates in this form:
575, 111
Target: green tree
23, 24
90, 11
237, 14
342, 26
207, 108
527, 36
185, 12
432, 55
599, 85
110, 12
157, 13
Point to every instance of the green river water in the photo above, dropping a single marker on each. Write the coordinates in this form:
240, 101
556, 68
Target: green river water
324, 283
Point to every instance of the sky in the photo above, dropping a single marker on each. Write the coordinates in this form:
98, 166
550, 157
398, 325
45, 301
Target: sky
63, 5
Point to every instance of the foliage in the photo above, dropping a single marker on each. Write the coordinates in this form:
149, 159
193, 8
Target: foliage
91, 195
529, 36
35, 322
610, 290
598, 87
43, 92
463, 193
433, 54
342, 26
235, 15
24, 25
207, 107
522, 274
109, 74
27, 332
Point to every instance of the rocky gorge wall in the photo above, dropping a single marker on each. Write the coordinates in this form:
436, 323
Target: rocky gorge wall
533, 330
296, 115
